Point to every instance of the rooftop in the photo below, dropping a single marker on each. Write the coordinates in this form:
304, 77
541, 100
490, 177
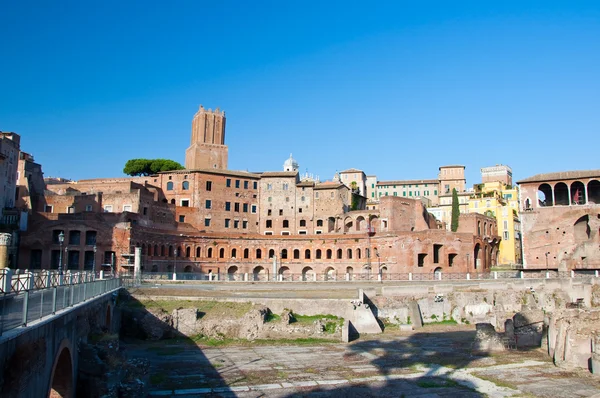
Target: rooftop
562, 175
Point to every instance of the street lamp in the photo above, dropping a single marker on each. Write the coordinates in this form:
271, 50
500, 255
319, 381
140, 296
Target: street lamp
378, 260
468, 263
547, 261
94, 259
61, 239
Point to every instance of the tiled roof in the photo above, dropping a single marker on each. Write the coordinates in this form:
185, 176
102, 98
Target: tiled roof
562, 175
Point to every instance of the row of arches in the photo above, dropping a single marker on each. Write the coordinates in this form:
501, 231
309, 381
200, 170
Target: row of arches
561, 194
170, 251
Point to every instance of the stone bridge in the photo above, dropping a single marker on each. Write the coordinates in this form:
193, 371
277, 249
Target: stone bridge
39, 356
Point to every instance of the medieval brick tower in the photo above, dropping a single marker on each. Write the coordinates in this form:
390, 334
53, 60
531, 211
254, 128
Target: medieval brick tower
207, 148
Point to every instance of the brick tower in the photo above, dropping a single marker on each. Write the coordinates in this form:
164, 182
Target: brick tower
207, 148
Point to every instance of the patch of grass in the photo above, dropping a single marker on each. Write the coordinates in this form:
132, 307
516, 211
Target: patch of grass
224, 341
443, 322
272, 317
218, 308
496, 381
436, 383
312, 318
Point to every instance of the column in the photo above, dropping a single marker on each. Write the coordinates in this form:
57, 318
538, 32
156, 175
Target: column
5, 240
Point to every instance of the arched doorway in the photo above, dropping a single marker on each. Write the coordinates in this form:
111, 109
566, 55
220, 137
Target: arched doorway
349, 272
307, 273
187, 269
561, 194
285, 273
476, 259
544, 196
329, 274
232, 272
437, 273
259, 273
61, 385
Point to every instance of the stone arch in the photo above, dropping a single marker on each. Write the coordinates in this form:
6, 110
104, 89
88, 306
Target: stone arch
329, 274
476, 254
318, 254
544, 196
284, 271
305, 273
339, 254
209, 252
350, 270
307, 254
258, 253
578, 193
259, 273
373, 222
361, 223
561, 194
358, 253
222, 252
593, 191
187, 269
62, 380
232, 272
271, 253
348, 222
329, 254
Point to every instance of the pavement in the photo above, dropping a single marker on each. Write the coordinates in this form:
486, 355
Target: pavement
430, 362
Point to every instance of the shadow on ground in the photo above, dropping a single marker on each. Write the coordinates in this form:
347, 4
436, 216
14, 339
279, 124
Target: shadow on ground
150, 335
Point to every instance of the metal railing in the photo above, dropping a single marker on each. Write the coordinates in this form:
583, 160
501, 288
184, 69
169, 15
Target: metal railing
19, 281
364, 276
19, 308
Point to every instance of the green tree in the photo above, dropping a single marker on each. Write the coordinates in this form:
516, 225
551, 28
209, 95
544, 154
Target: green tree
144, 167
455, 211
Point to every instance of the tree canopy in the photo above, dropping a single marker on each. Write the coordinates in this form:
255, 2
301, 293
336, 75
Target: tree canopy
455, 211
145, 167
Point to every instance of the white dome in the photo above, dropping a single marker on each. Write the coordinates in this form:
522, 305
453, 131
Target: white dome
290, 164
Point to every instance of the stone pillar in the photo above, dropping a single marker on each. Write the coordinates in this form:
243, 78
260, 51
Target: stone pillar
495, 275
275, 267
596, 354
5, 240
410, 276
347, 277
468, 276
137, 265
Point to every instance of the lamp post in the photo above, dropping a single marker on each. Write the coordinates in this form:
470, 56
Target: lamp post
175, 262
94, 259
378, 260
468, 263
547, 261
61, 239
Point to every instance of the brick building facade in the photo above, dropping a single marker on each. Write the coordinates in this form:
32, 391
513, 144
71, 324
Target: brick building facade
560, 220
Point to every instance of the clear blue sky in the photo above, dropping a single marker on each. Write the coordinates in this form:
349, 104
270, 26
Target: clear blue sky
393, 88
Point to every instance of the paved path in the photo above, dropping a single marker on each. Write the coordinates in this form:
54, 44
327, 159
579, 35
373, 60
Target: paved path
418, 364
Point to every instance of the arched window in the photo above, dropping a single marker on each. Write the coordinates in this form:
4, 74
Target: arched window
221, 253
246, 253
209, 252
198, 251
258, 253
271, 253
578, 193
329, 254
185, 185
307, 254
170, 186
149, 250
233, 253
545, 196
561, 194
296, 254
349, 254
284, 253
188, 251
339, 253
162, 250
170, 251
172, 201
358, 254
318, 254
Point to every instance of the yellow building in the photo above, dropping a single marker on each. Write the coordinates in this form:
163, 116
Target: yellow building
501, 201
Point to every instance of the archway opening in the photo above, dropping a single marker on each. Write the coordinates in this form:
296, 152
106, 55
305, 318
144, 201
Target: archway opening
62, 379
188, 269
594, 191
285, 273
307, 273
329, 274
561, 194
232, 272
545, 195
476, 259
259, 273
437, 273
578, 193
